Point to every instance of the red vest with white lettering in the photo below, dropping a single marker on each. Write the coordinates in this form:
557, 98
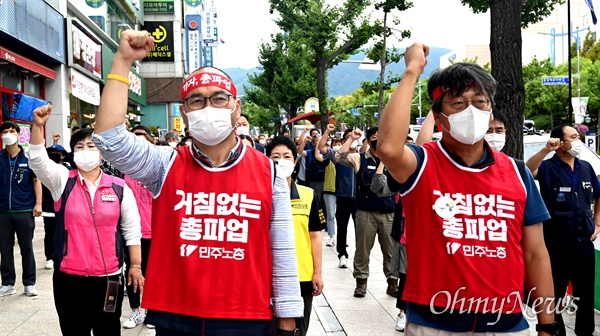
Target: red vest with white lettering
211, 248
464, 240
81, 250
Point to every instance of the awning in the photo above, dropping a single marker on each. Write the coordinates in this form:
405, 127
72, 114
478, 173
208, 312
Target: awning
312, 117
26, 63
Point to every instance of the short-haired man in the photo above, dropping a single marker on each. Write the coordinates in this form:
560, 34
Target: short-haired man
222, 255
172, 139
569, 187
374, 214
474, 212
496, 134
20, 201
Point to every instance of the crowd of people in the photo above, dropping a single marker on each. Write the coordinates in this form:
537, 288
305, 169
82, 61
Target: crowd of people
214, 232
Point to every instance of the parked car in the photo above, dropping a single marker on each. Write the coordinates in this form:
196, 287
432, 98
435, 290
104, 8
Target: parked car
534, 143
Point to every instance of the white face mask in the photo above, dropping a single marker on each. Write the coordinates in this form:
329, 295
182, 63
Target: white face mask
470, 125
354, 144
173, 144
262, 142
575, 148
188, 143
286, 166
337, 147
242, 130
9, 139
328, 143
210, 125
495, 140
86, 159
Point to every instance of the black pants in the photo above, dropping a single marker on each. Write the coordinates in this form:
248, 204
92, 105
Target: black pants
302, 323
23, 225
345, 206
575, 262
49, 228
134, 298
401, 304
79, 302
216, 327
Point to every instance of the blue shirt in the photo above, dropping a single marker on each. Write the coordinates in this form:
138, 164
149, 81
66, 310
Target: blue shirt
535, 212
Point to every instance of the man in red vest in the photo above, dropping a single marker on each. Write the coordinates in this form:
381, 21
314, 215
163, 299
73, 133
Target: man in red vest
222, 259
473, 214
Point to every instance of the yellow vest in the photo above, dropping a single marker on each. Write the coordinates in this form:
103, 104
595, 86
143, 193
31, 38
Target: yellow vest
329, 178
301, 212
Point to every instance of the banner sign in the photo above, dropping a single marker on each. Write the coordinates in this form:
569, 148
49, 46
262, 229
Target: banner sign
163, 50
579, 108
86, 52
193, 42
85, 88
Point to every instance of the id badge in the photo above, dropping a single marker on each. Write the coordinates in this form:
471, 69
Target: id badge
110, 301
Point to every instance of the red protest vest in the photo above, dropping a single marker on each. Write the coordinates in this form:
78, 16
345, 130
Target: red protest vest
463, 244
211, 249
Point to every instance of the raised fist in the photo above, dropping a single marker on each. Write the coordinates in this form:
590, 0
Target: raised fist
135, 45
41, 114
330, 127
356, 134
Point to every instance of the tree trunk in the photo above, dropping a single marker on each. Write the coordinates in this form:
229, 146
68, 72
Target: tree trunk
383, 62
507, 69
322, 91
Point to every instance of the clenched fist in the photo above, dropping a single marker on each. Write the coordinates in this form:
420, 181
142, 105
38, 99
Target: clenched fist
41, 114
134, 45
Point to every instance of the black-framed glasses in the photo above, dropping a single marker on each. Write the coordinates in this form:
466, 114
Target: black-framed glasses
197, 102
459, 105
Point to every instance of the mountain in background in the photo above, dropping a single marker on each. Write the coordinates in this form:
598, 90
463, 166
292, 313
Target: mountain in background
345, 78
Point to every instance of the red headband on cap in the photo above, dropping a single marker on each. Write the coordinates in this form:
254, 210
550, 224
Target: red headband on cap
207, 79
440, 90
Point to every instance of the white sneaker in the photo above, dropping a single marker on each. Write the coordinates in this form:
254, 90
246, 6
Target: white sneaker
49, 264
7, 290
134, 320
401, 321
343, 262
150, 326
330, 242
30, 291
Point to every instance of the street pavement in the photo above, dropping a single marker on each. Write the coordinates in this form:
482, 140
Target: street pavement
335, 313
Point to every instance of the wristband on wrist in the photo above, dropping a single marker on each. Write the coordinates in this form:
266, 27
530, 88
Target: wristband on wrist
118, 78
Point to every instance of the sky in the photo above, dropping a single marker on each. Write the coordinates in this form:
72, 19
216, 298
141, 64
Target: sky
245, 24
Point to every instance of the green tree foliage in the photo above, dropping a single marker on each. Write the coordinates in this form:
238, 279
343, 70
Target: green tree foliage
506, 20
331, 32
286, 80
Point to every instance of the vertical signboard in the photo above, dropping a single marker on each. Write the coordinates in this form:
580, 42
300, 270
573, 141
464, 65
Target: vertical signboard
193, 40
210, 26
85, 50
208, 56
163, 50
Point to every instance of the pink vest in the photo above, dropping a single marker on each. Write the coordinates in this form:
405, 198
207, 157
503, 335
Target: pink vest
81, 249
143, 198
464, 241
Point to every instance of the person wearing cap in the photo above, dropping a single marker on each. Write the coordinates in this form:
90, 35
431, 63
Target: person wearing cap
473, 214
58, 154
222, 226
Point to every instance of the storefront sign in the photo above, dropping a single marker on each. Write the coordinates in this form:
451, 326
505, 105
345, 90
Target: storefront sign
163, 50
86, 51
26, 63
135, 83
85, 88
159, 6
193, 3
94, 3
24, 135
210, 26
178, 124
194, 44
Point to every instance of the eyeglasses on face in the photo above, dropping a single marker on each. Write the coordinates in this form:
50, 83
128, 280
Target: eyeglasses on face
197, 102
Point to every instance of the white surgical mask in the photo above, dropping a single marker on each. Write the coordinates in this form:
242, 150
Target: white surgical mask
328, 143
495, 140
262, 142
9, 139
86, 159
286, 166
575, 148
210, 125
242, 130
188, 143
173, 144
337, 147
470, 125
354, 144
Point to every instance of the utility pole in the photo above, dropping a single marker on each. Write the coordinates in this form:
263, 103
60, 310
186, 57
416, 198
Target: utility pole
570, 116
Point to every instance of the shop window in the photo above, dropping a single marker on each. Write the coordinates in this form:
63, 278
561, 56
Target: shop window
33, 84
11, 76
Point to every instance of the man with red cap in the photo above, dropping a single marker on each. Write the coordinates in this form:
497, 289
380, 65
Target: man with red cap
222, 259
